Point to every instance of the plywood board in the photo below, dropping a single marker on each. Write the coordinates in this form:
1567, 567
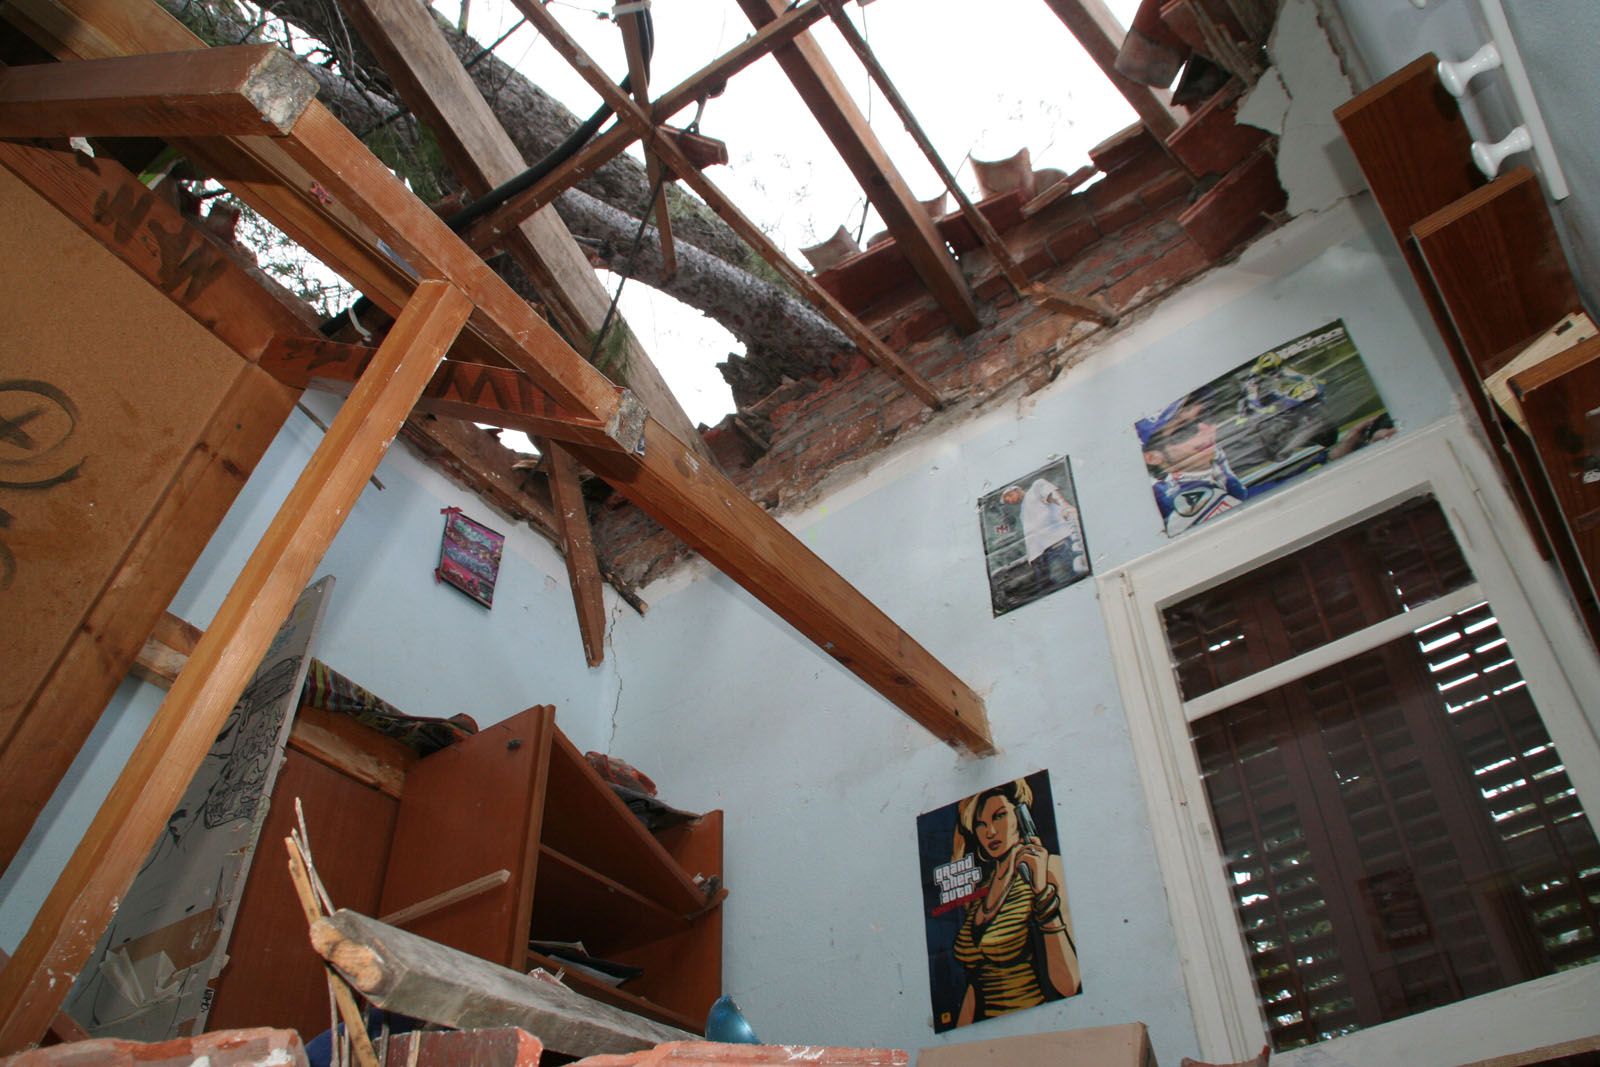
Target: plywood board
104, 388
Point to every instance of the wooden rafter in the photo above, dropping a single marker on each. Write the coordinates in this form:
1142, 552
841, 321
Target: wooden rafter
459, 390
707, 81
583, 570
481, 154
630, 23
1070, 303
248, 89
1101, 35
83, 900
908, 222
631, 114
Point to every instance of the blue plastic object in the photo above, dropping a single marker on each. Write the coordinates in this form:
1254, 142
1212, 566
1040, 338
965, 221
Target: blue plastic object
726, 1023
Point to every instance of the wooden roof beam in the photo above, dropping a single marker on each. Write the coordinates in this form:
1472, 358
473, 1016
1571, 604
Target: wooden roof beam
707, 81
438, 89
577, 546
630, 113
908, 222
249, 89
1101, 35
639, 78
458, 390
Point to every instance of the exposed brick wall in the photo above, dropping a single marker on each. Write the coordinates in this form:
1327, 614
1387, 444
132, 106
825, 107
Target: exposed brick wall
1121, 239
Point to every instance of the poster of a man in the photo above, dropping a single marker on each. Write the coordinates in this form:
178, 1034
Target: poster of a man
1000, 935
1266, 422
1033, 537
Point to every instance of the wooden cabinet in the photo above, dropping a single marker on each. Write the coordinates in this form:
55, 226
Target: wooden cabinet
516, 796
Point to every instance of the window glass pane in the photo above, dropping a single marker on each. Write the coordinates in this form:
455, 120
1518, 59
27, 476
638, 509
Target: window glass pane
1403, 557
1400, 833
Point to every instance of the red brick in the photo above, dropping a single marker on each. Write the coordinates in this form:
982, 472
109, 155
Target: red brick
1177, 266
223, 1048
1123, 147
1236, 207
1074, 239
1123, 213
1166, 189
834, 442
1212, 141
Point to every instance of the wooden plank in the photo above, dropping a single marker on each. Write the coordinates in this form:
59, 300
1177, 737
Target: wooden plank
630, 113
247, 89
481, 154
468, 391
577, 545
274, 977
63, 1027
1498, 266
85, 897
475, 806
356, 751
402, 972
440, 901
639, 81
747, 544
1071, 304
819, 86
706, 81
1101, 35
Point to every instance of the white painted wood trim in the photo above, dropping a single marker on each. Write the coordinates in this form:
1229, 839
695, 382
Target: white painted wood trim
1364, 640
1553, 655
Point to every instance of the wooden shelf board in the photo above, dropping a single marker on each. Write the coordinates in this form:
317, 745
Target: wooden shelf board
617, 996
587, 822
572, 902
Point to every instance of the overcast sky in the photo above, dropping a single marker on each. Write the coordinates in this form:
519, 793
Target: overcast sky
982, 78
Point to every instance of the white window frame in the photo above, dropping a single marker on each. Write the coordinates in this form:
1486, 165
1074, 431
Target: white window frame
1552, 653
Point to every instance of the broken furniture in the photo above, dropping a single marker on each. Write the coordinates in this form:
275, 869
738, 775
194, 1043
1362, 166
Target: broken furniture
1490, 268
393, 830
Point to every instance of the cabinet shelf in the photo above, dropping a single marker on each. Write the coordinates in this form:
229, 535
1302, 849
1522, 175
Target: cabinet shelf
573, 901
617, 996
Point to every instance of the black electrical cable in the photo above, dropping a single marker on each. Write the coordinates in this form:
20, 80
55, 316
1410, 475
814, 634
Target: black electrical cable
527, 179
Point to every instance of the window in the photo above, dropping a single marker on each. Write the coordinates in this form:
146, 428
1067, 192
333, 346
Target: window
1391, 828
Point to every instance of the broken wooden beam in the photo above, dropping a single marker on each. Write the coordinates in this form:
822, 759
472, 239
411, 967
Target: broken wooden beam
734, 533
577, 545
240, 91
85, 897
1076, 306
401, 972
481, 154
440, 901
630, 113
819, 86
460, 390
1101, 35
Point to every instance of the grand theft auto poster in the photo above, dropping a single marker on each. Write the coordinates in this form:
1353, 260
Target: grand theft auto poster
1271, 419
994, 896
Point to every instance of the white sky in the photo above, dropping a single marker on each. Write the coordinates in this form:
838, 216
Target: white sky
986, 78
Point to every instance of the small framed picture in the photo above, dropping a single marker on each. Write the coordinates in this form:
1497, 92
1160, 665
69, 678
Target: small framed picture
469, 556
1032, 537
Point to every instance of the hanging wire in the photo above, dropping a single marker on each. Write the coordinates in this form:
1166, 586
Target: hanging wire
627, 265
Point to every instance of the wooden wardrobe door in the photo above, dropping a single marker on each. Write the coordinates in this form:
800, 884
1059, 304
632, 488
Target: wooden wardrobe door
467, 811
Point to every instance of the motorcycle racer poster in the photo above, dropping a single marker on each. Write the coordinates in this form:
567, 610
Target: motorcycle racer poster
1266, 422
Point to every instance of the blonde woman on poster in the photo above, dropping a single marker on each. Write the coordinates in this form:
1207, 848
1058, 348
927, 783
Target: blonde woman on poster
1015, 941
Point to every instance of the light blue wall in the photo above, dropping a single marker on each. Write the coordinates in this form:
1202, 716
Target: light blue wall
822, 780
425, 647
